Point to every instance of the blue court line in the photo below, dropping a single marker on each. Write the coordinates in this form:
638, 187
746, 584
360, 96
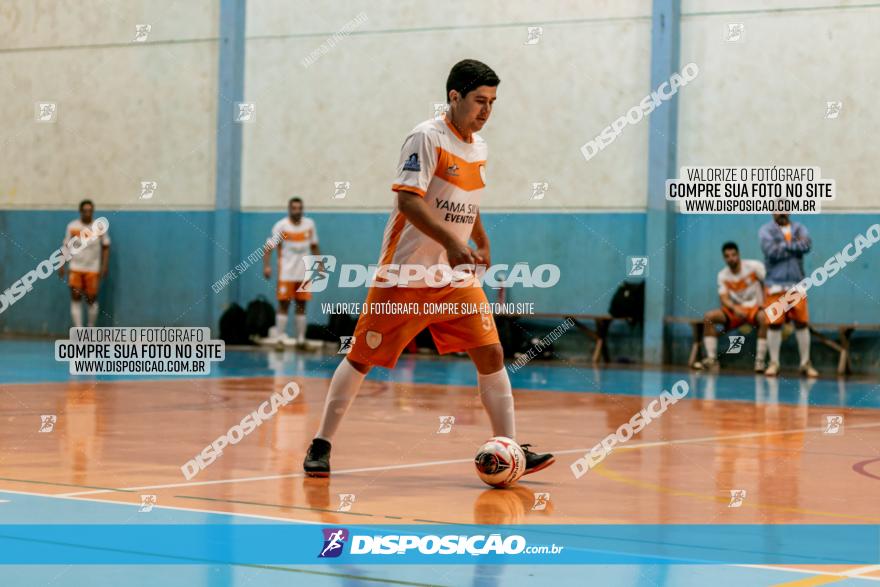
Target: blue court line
33, 362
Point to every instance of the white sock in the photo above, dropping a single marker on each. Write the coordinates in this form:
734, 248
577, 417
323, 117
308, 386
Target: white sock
343, 387
300, 323
93, 313
497, 397
762, 349
803, 341
774, 343
76, 313
711, 344
281, 324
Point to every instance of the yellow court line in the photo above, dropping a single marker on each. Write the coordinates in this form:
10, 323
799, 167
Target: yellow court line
810, 581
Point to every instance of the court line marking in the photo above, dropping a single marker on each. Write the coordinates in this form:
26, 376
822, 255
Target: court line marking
842, 574
167, 507
633, 446
825, 578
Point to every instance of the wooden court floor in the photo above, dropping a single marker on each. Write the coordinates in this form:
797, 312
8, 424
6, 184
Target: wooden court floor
117, 440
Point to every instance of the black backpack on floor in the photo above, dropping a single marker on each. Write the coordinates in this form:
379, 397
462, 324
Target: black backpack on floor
629, 302
260, 317
341, 325
233, 325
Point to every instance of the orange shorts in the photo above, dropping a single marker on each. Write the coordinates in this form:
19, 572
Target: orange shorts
287, 290
798, 313
85, 282
734, 321
458, 318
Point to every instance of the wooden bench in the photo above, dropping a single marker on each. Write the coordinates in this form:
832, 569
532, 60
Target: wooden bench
841, 344
696, 330
599, 333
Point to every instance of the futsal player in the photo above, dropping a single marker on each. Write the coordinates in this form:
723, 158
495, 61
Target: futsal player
297, 236
784, 244
87, 267
741, 291
441, 168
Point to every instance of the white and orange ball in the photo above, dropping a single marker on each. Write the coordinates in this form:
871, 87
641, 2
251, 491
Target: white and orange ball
500, 462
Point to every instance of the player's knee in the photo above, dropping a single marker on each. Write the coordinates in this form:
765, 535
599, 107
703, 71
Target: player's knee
488, 359
75, 296
362, 368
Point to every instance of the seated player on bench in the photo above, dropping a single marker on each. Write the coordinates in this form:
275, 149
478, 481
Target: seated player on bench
741, 290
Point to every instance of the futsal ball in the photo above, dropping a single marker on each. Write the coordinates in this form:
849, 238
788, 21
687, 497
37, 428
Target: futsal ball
500, 462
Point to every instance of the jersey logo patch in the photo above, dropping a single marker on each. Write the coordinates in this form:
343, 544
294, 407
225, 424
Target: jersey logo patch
374, 339
412, 163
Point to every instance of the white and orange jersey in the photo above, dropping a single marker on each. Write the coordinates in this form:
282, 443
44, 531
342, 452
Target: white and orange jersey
295, 240
744, 288
450, 174
87, 260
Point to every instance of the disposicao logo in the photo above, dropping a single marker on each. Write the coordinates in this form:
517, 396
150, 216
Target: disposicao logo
334, 540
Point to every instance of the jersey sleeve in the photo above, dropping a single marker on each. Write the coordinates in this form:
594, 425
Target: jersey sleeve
418, 159
105, 239
66, 238
276, 235
760, 270
722, 287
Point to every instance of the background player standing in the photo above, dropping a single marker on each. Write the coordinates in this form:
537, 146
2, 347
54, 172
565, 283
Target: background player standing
87, 267
784, 244
441, 175
297, 236
741, 290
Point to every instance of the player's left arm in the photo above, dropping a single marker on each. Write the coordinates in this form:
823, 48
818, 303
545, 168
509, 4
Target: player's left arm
105, 260
481, 239
313, 244
105, 255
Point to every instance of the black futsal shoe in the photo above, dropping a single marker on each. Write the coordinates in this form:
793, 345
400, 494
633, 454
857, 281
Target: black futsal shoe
317, 461
536, 461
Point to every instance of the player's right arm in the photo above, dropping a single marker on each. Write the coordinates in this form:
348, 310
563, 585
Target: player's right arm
267, 263
724, 296
417, 212
730, 305
271, 244
415, 169
64, 242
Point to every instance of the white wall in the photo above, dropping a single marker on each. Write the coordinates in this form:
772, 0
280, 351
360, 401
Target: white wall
127, 111
762, 101
344, 117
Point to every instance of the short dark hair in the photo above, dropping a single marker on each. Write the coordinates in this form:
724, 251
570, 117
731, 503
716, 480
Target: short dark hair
468, 75
294, 199
729, 245
86, 203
